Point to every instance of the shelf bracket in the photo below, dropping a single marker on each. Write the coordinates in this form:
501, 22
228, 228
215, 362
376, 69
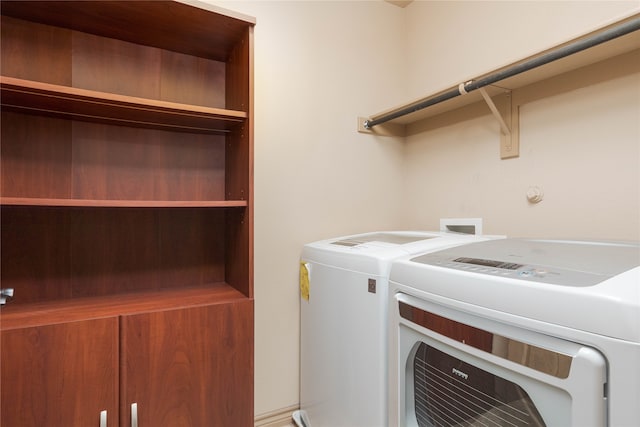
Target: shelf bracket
503, 125
509, 138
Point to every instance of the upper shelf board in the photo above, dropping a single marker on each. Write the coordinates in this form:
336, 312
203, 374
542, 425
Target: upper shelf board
82, 104
108, 203
187, 27
601, 52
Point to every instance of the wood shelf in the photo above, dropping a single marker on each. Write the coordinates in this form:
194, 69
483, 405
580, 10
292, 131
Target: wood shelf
412, 123
27, 201
206, 31
88, 105
80, 309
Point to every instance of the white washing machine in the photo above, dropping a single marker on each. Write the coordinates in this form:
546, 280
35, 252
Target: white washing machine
344, 291
516, 332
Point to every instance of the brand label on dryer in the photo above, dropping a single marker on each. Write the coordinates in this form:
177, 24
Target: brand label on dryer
459, 373
372, 286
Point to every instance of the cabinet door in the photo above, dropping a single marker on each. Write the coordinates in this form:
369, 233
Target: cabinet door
60, 375
189, 367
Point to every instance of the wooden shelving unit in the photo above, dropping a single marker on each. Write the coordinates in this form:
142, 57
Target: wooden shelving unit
127, 213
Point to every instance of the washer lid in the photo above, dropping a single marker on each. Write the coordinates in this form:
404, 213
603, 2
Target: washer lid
384, 237
561, 262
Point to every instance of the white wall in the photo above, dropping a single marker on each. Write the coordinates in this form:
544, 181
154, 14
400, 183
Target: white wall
320, 64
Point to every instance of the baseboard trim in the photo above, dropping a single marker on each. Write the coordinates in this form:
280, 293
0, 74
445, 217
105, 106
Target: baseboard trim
278, 418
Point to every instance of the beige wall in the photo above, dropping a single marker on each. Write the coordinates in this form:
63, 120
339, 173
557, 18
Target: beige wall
581, 147
453, 41
315, 176
320, 64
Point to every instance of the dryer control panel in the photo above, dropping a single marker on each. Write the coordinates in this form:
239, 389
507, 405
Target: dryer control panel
564, 263
513, 270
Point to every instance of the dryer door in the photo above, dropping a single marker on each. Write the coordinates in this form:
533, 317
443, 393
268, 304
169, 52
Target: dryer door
458, 369
449, 391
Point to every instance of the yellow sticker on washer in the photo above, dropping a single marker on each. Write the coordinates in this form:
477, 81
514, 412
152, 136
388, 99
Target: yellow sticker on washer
304, 281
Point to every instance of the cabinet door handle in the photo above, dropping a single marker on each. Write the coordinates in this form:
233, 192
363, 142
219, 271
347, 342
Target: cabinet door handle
5, 295
134, 415
103, 418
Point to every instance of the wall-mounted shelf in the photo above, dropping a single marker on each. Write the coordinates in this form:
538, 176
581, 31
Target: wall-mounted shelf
410, 118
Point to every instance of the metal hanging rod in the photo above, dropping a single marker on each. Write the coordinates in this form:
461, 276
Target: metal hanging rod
561, 52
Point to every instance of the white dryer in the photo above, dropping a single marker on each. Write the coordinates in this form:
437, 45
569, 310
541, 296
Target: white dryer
516, 332
344, 324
